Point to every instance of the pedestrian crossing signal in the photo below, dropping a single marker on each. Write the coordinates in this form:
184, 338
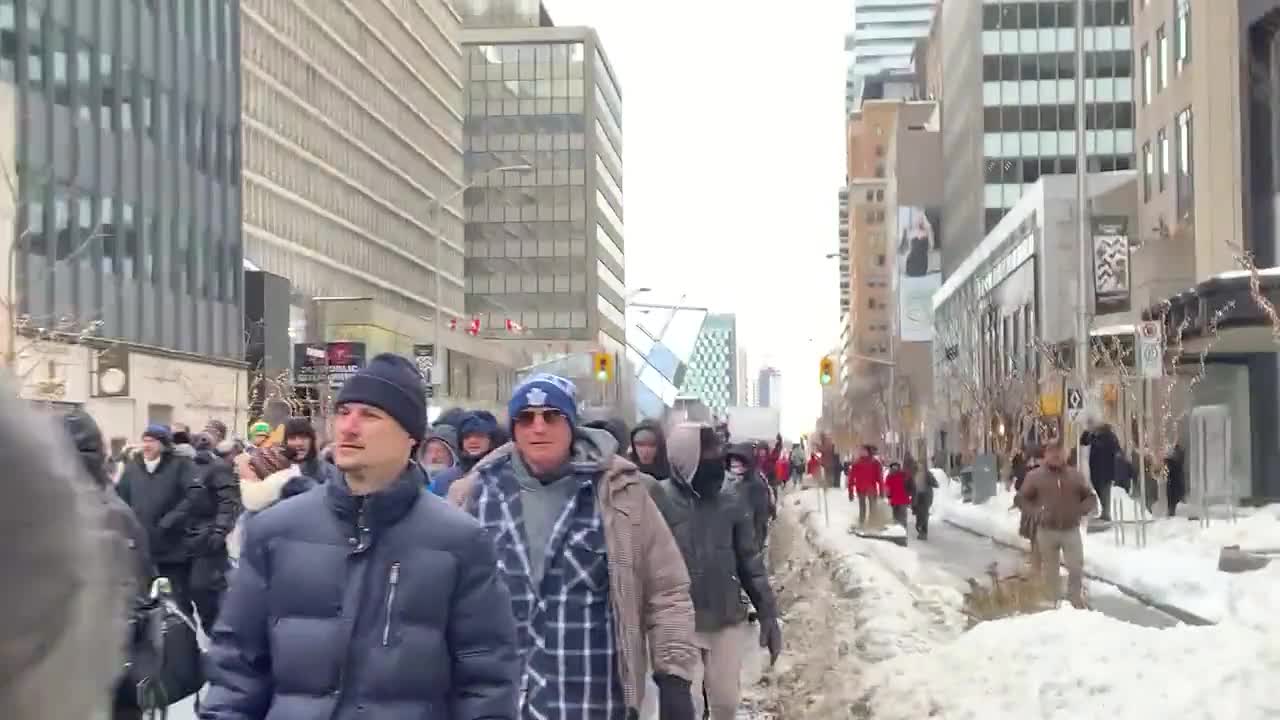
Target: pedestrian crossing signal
826, 371
603, 364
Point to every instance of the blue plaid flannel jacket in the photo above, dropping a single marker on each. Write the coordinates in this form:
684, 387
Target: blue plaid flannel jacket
565, 627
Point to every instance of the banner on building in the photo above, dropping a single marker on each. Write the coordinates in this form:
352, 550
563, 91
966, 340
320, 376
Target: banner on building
1111, 289
918, 271
331, 363
424, 356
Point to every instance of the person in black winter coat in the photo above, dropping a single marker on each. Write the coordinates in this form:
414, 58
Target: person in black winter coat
1104, 459
649, 450
213, 499
753, 487
154, 484
300, 437
366, 597
87, 439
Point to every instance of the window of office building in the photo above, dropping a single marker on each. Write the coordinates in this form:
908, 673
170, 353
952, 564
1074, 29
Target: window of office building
1162, 58
89, 202
1185, 183
1148, 170
1147, 75
1182, 33
1162, 150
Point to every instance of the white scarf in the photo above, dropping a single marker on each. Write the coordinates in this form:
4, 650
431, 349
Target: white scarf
152, 464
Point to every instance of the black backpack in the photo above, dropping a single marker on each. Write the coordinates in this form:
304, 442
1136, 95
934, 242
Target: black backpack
165, 662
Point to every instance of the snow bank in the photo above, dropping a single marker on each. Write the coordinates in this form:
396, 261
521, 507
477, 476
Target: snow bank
903, 606
1179, 566
1076, 665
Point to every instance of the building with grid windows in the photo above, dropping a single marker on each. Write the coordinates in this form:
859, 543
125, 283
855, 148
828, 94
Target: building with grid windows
544, 245
769, 388
353, 132
880, 39
121, 169
712, 375
1009, 103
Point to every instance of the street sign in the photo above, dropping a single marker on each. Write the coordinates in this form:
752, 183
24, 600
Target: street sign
1075, 403
424, 356
1150, 350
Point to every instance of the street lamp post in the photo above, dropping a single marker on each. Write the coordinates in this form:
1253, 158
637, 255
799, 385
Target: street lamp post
434, 210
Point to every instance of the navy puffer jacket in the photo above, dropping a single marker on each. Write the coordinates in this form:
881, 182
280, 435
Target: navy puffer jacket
405, 619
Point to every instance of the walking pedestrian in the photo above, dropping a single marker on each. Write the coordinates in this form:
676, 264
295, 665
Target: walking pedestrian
366, 597
439, 456
593, 570
214, 506
155, 486
304, 449
649, 450
1105, 458
1061, 498
713, 530
895, 484
753, 488
866, 482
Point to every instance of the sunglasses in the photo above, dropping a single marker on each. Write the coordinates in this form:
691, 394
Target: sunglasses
550, 417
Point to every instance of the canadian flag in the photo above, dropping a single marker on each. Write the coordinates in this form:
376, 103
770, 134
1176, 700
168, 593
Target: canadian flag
514, 327
453, 323
474, 327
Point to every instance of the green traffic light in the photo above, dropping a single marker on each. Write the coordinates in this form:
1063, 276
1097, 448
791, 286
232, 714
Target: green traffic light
602, 375
825, 379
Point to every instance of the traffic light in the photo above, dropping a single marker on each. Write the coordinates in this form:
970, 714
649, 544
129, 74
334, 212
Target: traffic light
603, 364
826, 371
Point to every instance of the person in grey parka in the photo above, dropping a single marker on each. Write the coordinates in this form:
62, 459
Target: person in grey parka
63, 626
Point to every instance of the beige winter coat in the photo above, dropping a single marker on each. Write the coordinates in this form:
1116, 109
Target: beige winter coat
648, 581
258, 495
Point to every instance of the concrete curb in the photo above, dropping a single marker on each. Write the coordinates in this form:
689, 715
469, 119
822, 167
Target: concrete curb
1172, 611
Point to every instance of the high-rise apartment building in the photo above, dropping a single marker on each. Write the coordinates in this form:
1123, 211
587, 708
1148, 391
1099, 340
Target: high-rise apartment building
881, 38
712, 375
545, 244
353, 132
1008, 103
843, 252
122, 172
769, 388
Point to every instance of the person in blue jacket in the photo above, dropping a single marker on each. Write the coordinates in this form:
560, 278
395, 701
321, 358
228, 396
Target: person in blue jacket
478, 435
366, 597
439, 455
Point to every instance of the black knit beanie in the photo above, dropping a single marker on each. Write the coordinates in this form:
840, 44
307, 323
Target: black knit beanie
392, 384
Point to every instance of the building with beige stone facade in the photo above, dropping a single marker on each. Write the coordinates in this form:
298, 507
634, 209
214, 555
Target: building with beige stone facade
1206, 102
894, 187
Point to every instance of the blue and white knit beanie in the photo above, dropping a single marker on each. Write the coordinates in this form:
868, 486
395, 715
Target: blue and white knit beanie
544, 391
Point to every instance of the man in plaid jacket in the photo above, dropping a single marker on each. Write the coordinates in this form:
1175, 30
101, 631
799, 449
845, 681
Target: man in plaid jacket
592, 568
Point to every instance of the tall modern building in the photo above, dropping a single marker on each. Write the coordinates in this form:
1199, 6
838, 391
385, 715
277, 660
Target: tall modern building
545, 245
881, 38
353, 131
843, 252
769, 388
712, 375
122, 166
1008, 104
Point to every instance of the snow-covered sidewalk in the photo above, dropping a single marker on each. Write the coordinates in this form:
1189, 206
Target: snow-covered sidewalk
904, 605
1178, 567
914, 659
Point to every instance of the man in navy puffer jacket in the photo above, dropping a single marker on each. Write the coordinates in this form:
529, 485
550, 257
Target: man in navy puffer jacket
366, 597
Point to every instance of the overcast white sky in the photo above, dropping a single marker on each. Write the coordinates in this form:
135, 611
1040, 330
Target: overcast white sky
734, 152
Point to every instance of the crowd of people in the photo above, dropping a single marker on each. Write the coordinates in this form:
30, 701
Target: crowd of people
555, 566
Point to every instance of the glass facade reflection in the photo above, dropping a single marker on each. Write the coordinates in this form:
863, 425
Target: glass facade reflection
128, 167
545, 246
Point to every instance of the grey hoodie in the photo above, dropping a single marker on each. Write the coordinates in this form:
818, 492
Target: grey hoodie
63, 624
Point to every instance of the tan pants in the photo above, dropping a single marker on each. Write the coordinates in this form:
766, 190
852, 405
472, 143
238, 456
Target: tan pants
720, 671
1049, 543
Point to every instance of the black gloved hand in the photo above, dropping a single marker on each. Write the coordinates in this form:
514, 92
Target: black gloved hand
675, 699
771, 637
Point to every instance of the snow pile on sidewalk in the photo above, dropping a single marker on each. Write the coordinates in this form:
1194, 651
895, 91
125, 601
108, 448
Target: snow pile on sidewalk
1179, 566
1077, 665
901, 607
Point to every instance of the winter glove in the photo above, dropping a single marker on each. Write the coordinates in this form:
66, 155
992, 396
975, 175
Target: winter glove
675, 698
771, 637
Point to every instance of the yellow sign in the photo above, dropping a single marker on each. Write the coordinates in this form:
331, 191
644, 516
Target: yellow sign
1051, 403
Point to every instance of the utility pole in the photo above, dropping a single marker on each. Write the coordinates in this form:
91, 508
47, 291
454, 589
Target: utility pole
1083, 291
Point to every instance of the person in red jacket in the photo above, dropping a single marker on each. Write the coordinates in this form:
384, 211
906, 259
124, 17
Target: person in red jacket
899, 496
865, 476
815, 464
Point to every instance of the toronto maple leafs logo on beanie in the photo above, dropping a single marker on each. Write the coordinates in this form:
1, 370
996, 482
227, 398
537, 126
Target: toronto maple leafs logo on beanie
545, 391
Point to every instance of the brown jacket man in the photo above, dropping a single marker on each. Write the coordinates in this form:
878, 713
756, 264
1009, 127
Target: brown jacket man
577, 500
1060, 497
